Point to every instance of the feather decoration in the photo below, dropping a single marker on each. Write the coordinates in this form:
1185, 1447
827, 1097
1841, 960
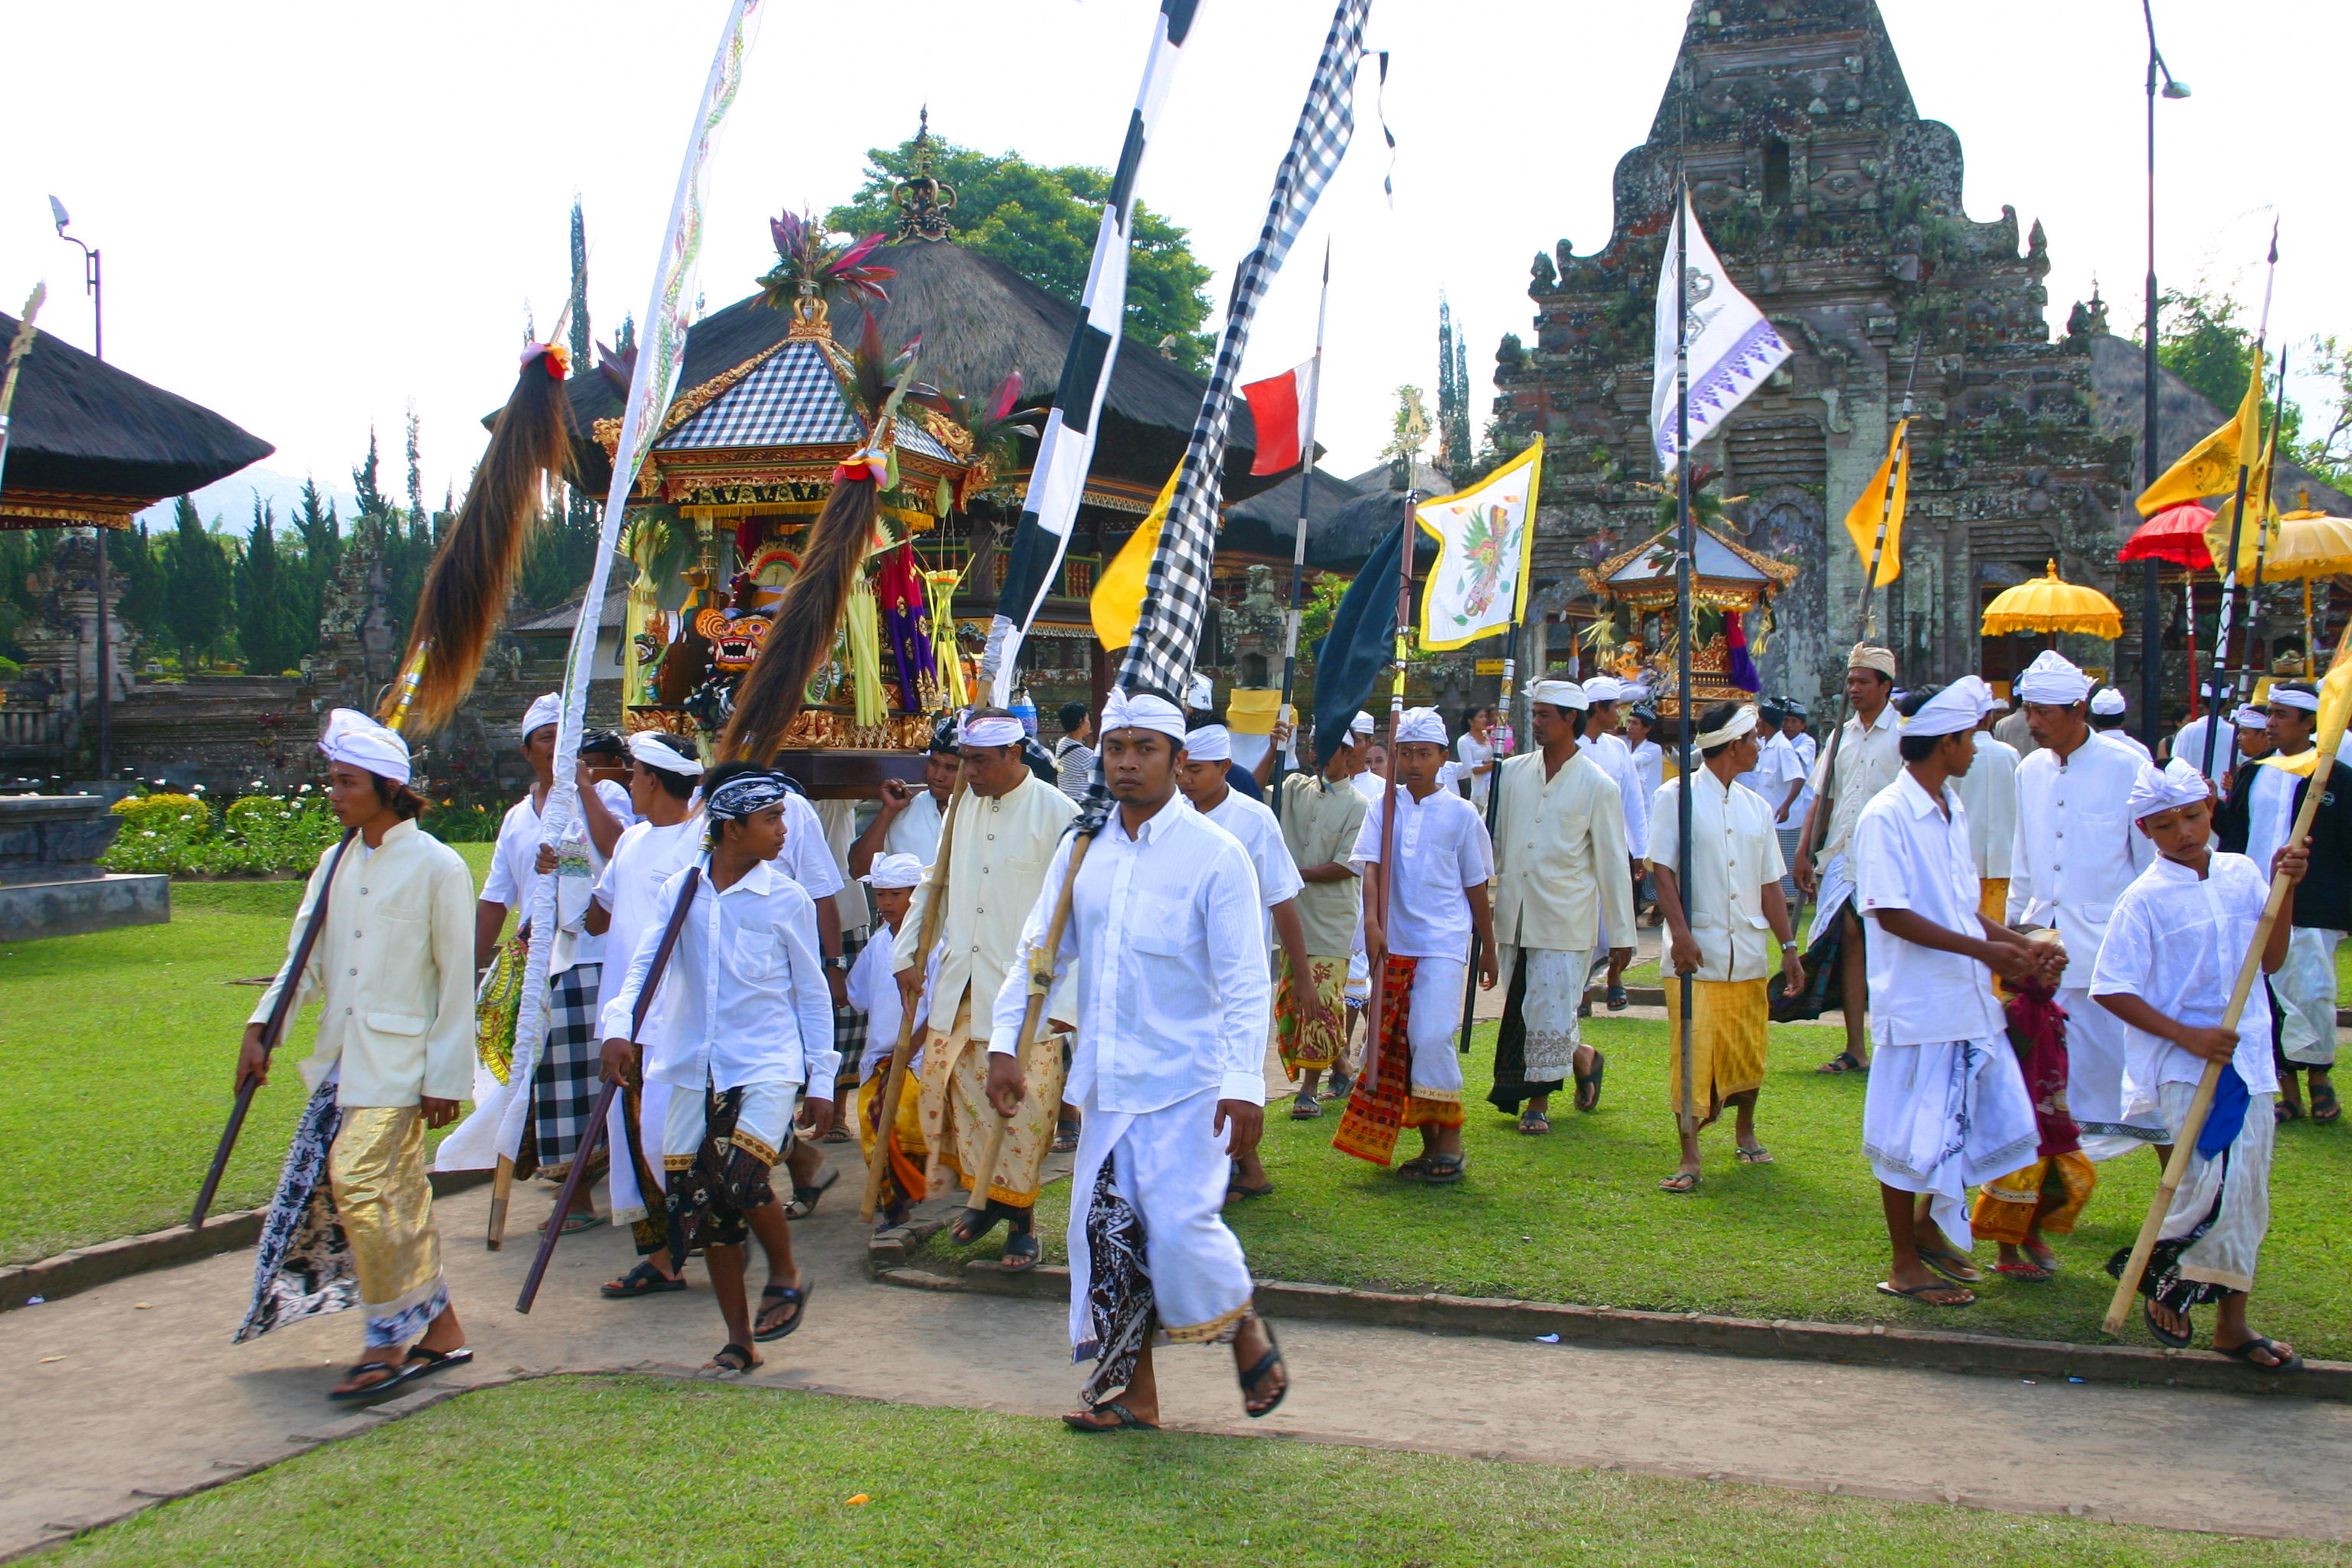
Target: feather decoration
809, 264
996, 430
472, 575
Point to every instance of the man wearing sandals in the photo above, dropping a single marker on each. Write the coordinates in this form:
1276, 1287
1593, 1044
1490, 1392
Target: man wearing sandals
1165, 933
1604, 746
2166, 970
1946, 1105
745, 1022
1006, 825
1718, 937
1320, 818
1560, 837
1859, 760
394, 1058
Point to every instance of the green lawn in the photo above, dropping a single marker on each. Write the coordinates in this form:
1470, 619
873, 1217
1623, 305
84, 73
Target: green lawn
749, 1476
1577, 1215
121, 1046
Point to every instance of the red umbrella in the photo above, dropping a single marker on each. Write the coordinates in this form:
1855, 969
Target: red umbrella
2176, 534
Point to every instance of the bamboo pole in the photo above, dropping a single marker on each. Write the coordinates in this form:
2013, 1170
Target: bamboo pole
1041, 982
894, 1085
1685, 542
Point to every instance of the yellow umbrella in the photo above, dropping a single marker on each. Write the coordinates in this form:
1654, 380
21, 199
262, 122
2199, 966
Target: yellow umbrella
2304, 544
2053, 605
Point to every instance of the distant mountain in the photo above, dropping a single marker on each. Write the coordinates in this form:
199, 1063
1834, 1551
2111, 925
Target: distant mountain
231, 501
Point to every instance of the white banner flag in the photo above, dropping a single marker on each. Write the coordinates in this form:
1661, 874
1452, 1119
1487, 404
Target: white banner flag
1485, 535
1732, 348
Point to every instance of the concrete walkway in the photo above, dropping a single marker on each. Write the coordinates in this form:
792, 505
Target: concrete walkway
133, 1387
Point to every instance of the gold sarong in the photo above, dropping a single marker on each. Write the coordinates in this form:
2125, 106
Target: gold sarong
385, 1199
957, 1116
2047, 1195
1305, 1044
1728, 1040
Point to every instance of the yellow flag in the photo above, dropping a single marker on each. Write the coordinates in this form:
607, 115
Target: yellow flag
2335, 710
2210, 466
1862, 518
1118, 599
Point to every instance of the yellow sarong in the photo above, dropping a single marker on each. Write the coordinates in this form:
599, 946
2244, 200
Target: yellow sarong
957, 1116
385, 1199
1305, 1044
2047, 1195
1727, 1041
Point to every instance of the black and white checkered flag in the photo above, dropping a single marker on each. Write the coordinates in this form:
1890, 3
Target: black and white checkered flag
1066, 449
1176, 590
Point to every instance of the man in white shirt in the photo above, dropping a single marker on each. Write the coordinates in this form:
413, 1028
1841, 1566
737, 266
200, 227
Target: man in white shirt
394, 1058
1207, 751
1165, 937
1988, 790
909, 821
1607, 748
1775, 775
1007, 823
1475, 755
1560, 837
667, 837
745, 1022
1425, 911
2166, 971
563, 1089
1946, 1106
1718, 936
1321, 819
2188, 745
2072, 855
1859, 761
1794, 796
2107, 713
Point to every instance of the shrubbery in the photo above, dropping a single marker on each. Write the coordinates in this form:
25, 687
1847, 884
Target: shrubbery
257, 836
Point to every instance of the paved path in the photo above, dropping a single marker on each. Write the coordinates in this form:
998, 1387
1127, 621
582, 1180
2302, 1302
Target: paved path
134, 1386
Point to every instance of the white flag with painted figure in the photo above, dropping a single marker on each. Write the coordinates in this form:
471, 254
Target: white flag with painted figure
1731, 347
1486, 536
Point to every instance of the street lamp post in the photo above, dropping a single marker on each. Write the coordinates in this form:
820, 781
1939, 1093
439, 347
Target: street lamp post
92, 274
2151, 674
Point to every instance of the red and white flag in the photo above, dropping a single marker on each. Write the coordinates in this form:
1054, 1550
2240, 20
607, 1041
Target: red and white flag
1278, 408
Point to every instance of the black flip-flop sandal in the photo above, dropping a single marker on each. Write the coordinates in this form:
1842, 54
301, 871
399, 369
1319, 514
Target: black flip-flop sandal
396, 1373
1950, 1265
1587, 1085
1534, 1124
2325, 1107
1414, 1169
1444, 1170
1919, 1293
1844, 1061
1066, 1138
973, 1227
1124, 1419
733, 1361
422, 1362
1618, 1001
794, 1296
644, 1280
1021, 1252
2180, 1342
1266, 1368
805, 1199
2293, 1362
1238, 1194
1305, 1108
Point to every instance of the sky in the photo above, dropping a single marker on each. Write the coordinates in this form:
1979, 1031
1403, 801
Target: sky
315, 217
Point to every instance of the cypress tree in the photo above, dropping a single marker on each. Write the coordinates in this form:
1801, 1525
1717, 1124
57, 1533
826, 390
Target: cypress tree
199, 601
270, 592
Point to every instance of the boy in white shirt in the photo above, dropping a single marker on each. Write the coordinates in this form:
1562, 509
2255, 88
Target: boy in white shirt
2167, 969
746, 1021
874, 990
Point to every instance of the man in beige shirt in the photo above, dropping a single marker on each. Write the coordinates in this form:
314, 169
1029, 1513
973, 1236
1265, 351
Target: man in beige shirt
1860, 759
1560, 880
393, 967
1005, 828
1320, 820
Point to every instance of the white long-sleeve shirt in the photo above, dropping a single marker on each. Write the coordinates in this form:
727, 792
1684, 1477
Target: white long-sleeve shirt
744, 999
1989, 789
647, 855
1256, 827
2076, 847
1616, 760
1174, 997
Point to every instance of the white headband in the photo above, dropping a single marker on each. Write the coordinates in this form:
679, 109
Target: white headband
992, 732
2176, 784
1738, 724
357, 741
1200, 695
657, 750
2250, 718
1361, 724
546, 710
2107, 703
1143, 712
1956, 708
1421, 724
1566, 694
2053, 677
894, 871
1602, 689
1210, 744
2286, 696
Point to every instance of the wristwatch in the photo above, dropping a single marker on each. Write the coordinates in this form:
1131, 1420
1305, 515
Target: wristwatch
841, 961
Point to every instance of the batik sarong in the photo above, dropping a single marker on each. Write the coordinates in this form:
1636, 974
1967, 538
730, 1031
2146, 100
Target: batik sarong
1304, 1043
717, 1151
2047, 1195
957, 1116
1148, 1243
1408, 1086
2212, 1235
1939, 1118
849, 1028
303, 1268
384, 1197
1535, 1044
1727, 1041
565, 1085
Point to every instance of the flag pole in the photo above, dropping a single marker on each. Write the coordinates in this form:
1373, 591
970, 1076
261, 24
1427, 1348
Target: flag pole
1409, 436
1306, 499
2262, 508
2237, 523
1686, 1114
1494, 809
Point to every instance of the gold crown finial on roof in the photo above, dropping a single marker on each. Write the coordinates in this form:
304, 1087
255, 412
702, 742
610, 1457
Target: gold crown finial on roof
924, 199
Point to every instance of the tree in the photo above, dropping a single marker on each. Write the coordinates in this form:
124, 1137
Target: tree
132, 560
1042, 222
1453, 397
200, 602
269, 600
2199, 339
2328, 454
23, 552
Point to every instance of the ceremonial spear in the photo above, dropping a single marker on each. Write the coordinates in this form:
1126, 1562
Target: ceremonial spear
2237, 525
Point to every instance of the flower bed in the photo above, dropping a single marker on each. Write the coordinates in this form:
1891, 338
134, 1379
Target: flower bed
256, 836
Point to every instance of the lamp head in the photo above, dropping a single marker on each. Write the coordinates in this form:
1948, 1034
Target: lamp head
2173, 88
57, 210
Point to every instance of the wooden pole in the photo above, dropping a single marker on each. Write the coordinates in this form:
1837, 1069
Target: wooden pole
1685, 542
1378, 880
894, 1083
1041, 982
1298, 546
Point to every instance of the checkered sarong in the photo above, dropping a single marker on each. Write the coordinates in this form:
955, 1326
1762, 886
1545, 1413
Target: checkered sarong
849, 1023
564, 1085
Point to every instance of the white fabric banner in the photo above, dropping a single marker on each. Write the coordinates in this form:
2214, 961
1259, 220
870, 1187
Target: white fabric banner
1731, 347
